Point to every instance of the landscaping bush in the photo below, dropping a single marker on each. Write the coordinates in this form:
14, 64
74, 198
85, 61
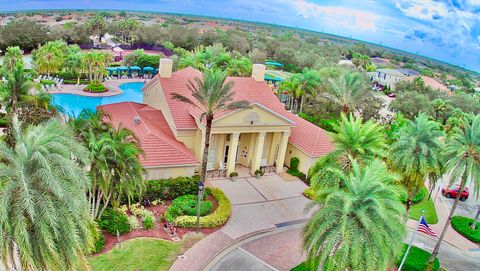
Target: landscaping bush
215, 219
310, 193
172, 188
99, 243
95, 87
416, 260
187, 205
113, 221
294, 162
47, 82
74, 82
133, 222
463, 226
4, 121
148, 222
423, 192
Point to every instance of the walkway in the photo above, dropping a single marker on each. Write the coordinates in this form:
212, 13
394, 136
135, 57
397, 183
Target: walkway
258, 205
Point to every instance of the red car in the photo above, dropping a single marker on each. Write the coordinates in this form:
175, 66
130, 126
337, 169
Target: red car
452, 191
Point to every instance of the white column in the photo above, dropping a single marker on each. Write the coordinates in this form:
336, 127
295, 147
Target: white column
232, 152
281, 152
257, 156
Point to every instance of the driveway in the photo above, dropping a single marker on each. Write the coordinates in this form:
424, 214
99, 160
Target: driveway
258, 205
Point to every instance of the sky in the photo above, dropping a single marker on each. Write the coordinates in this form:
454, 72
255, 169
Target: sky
448, 30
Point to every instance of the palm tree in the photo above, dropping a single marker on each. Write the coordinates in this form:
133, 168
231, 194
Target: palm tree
439, 107
17, 87
462, 155
13, 56
357, 227
44, 219
416, 153
115, 169
353, 140
347, 90
292, 86
211, 95
50, 57
310, 82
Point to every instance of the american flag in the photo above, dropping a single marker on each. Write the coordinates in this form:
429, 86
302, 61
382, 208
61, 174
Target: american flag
423, 227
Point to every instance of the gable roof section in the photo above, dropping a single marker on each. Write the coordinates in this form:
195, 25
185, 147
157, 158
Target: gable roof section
156, 139
306, 136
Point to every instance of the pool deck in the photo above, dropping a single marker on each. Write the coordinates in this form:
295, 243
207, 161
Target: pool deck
113, 87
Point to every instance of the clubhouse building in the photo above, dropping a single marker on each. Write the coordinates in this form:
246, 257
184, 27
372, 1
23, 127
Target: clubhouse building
264, 136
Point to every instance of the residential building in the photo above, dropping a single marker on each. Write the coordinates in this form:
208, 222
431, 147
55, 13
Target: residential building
172, 134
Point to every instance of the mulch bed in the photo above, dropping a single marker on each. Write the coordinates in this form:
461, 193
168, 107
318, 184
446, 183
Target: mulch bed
157, 232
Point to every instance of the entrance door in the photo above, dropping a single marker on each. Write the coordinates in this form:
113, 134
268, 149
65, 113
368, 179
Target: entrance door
225, 154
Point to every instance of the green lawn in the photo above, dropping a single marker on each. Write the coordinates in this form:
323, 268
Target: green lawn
428, 206
143, 254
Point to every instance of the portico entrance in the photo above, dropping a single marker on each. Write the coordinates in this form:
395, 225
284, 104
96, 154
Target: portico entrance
261, 150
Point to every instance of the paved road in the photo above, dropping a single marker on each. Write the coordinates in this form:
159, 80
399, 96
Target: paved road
243, 257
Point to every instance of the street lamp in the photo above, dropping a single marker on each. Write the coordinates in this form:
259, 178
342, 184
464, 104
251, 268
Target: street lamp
201, 190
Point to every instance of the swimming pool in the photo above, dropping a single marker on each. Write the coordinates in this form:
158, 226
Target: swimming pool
74, 104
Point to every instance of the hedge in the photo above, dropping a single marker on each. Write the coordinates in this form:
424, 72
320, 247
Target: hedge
417, 259
113, 221
218, 218
99, 243
168, 189
463, 226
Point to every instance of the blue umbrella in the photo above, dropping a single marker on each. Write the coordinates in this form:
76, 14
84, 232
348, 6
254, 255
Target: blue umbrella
148, 69
135, 68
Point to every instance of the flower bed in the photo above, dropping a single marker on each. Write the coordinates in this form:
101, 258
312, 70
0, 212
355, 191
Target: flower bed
463, 225
218, 218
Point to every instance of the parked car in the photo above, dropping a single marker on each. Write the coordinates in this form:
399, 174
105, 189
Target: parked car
452, 191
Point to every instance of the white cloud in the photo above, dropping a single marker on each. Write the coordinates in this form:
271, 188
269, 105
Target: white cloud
423, 9
343, 16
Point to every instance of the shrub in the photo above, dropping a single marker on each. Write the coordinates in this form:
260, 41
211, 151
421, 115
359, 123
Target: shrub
74, 82
310, 193
215, 219
95, 87
422, 193
187, 205
113, 221
417, 259
234, 174
463, 226
172, 188
47, 82
4, 121
259, 171
148, 222
99, 243
294, 162
133, 222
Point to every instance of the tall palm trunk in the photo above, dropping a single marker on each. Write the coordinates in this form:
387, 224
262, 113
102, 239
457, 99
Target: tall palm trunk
203, 174
449, 219
301, 104
474, 225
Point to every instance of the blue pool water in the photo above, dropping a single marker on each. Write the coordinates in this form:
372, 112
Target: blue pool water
74, 104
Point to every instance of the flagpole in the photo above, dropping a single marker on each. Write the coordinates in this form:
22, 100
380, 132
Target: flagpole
411, 242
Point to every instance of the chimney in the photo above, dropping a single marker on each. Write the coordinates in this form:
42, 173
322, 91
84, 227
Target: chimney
258, 72
165, 69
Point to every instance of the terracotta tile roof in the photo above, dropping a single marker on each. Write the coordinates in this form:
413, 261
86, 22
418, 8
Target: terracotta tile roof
305, 135
156, 139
